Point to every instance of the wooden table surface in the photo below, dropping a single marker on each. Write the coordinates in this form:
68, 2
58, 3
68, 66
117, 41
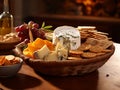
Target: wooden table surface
105, 78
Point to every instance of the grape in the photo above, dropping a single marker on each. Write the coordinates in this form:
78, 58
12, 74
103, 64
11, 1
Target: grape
30, 23
35, 32
23, 31
20, 34
22, 27
42, 33
39, 34
35, 25
17, 29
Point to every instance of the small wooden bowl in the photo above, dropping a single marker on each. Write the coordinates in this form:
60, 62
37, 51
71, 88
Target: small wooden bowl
10, 70
8, 45
66, 67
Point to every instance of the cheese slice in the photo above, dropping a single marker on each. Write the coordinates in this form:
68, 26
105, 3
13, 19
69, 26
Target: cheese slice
68, 32
52, 56
41, 53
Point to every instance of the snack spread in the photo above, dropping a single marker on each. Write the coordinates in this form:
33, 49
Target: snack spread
9, 38
70, 43
38, 47
8, 60
94, 43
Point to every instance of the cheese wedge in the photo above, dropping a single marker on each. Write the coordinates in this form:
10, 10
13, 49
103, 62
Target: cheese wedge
41, 53
52, 56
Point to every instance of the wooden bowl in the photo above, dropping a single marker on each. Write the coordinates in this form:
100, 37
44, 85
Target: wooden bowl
10, 70
66, 67
8, 45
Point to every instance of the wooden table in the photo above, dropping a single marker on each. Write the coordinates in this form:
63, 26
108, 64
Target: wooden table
105, 78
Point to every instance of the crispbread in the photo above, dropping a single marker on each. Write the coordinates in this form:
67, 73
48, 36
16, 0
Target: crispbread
88, 55
2, 60
96, 48
105, 43
84, 47
75, 53
8, 60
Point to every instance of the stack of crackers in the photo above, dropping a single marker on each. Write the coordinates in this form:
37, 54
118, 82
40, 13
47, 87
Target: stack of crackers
94, 43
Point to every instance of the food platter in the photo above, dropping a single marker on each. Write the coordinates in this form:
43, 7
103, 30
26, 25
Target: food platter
9, 65
65, 51
9, 41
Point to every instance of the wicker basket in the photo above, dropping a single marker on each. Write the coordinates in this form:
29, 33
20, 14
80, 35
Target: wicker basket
67, 67
8, 46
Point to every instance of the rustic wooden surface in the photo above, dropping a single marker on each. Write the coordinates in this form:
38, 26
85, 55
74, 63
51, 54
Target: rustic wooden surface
105, 78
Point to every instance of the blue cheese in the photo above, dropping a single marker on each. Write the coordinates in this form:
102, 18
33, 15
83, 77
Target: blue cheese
41, 53
68, 32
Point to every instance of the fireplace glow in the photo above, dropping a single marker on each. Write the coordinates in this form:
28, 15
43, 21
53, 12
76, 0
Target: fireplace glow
105, 8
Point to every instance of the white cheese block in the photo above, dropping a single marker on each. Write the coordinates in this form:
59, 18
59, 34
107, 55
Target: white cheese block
41, 53
52, 56
68, 32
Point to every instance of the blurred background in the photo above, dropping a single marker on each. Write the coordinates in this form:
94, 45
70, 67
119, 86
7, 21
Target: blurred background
104, 14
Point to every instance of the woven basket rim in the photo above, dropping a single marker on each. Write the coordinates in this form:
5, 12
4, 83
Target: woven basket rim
8, 45
9, 42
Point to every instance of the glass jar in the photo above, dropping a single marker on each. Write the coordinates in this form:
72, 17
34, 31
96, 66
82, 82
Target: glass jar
6, 20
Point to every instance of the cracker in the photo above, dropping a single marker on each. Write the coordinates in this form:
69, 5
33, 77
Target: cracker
7, 62
84, 47
2, 60
10, 57
105, 43
75, 53
88, 55
96, 49
106, 51
100, 37
84, 35
92, 41
100, 53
